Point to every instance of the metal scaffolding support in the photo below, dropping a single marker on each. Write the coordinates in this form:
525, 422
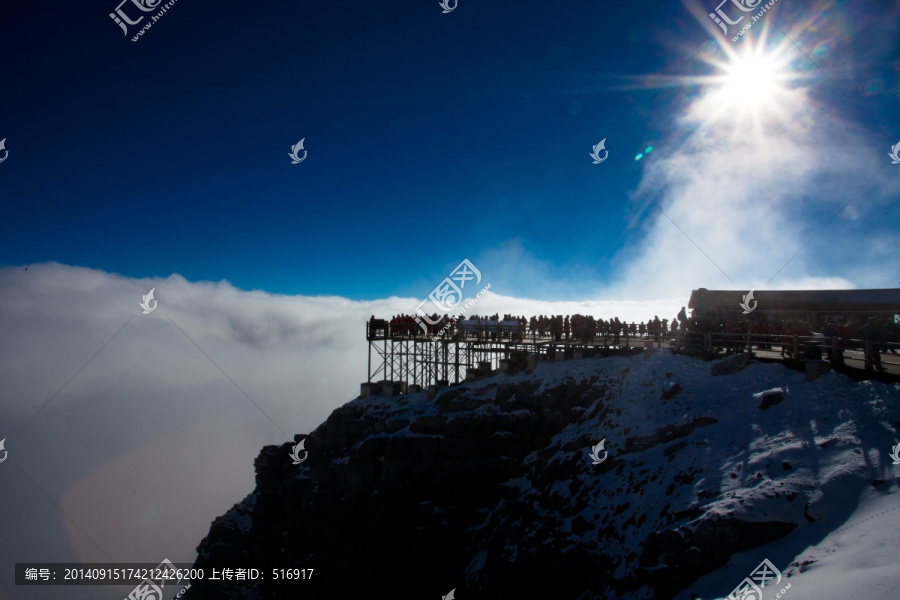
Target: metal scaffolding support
426, 360
406, 360
423, 361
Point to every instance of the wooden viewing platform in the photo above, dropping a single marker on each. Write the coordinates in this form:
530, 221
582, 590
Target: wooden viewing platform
407, 363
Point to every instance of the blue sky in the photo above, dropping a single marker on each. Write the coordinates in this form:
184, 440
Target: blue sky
435, 137
431, 138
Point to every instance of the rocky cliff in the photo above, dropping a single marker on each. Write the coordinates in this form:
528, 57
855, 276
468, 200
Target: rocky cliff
490, 489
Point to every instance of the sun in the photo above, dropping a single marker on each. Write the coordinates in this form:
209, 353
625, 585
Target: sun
755, 85
751, 81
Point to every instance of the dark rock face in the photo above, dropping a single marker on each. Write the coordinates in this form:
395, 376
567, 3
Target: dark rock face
770, 400
487, 489
670, 390
666, 434
816, 368
730, 365
686, 552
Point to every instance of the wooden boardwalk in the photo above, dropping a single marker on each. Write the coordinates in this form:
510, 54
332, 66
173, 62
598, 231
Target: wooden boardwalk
419, 361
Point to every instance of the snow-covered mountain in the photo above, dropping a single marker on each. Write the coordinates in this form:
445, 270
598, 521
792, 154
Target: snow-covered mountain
490, 489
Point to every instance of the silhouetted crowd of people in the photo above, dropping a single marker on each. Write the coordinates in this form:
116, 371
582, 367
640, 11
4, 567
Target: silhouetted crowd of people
872, 331
577, 327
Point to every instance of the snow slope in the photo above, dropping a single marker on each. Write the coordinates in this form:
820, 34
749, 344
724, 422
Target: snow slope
713, 475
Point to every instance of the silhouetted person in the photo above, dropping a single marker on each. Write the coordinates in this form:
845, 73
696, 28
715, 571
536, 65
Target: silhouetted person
891, 330
872, 333
830, 332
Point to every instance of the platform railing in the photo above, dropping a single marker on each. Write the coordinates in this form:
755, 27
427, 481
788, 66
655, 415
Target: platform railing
790, 346
806, 347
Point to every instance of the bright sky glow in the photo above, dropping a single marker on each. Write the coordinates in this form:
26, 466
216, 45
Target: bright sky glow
752, 80
755, 83
163, 164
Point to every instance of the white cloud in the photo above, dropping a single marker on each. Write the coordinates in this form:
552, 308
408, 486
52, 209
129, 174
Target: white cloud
744, 195
138, 427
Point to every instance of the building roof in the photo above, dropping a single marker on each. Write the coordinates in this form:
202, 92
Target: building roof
818, 300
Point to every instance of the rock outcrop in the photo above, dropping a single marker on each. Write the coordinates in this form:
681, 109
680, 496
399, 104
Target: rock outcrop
488, 488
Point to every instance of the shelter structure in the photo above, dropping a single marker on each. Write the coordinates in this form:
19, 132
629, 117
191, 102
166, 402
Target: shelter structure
813, 306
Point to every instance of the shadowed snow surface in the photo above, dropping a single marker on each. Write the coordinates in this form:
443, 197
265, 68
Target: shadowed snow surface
697, 489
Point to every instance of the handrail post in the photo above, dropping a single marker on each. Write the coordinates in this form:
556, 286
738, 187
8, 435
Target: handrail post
796, 347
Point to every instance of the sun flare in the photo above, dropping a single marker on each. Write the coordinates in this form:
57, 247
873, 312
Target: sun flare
751, 81
756, 85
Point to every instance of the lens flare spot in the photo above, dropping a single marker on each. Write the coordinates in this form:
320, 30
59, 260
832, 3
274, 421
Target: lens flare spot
150, 514
639, 156
574, 107
804, 124
871, 87
850, 212
648, 149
